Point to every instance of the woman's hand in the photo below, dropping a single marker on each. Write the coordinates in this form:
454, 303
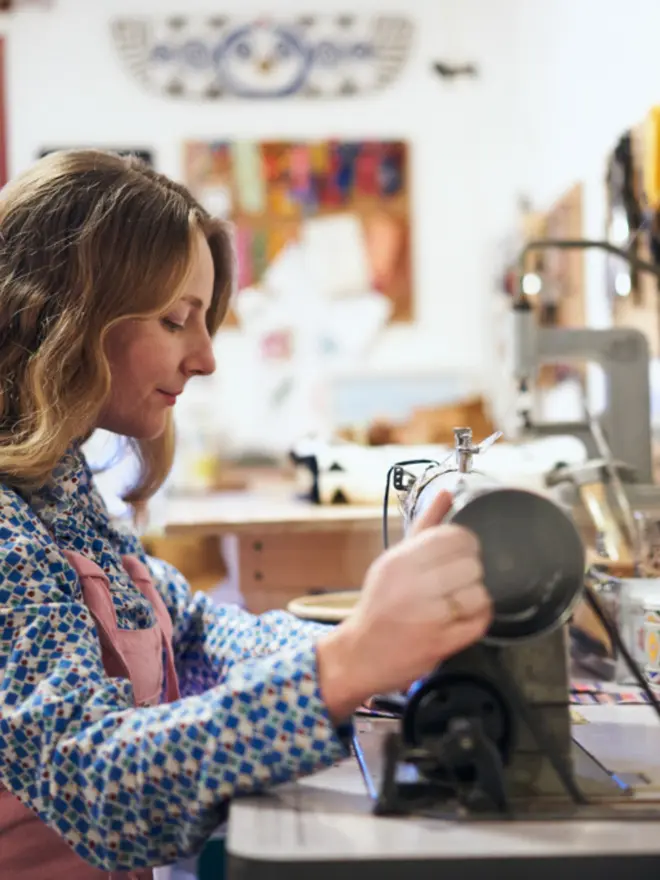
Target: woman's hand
422, 601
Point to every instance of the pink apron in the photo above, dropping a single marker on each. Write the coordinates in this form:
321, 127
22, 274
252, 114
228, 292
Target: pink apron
29, 849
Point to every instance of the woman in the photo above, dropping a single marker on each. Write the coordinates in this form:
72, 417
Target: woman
130, 710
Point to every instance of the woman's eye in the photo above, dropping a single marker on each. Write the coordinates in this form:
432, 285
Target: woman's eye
169, 324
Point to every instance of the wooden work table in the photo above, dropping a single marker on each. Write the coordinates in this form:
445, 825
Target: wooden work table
277, 547
266, 511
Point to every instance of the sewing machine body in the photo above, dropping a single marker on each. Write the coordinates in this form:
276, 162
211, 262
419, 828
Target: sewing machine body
540, 671
411, 786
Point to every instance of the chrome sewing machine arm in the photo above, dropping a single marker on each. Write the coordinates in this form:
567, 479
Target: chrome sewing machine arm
449, 474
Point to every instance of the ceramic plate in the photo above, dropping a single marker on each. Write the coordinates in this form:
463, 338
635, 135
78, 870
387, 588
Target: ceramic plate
326, 607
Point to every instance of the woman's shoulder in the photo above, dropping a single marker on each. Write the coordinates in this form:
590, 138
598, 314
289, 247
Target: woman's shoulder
29, 556
18, 520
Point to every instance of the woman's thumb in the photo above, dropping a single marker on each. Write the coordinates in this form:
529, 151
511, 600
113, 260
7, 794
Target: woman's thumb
434, 513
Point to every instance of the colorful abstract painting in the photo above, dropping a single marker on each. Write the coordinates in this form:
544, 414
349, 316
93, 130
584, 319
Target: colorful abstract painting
348, 202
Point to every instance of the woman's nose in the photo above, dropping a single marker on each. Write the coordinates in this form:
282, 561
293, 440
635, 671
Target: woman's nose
201, 362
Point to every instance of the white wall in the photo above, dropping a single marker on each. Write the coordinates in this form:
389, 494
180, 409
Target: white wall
589, 69
560, 80
67, 87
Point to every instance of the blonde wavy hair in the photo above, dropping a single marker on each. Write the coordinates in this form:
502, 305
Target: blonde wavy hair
87, 239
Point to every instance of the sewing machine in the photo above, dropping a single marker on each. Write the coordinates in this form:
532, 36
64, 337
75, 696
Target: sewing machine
489, 733
622, 353
484, 740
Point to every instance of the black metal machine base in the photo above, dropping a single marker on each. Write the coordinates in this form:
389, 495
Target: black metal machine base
400, 790
470, 745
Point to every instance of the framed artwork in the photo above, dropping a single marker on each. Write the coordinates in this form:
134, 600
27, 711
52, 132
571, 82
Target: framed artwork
349, 201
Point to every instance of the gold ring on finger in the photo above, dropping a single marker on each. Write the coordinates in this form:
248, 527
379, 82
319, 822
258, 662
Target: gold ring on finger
455, 607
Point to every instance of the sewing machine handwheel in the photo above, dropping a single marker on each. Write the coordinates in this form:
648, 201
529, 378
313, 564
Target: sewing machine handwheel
445, 696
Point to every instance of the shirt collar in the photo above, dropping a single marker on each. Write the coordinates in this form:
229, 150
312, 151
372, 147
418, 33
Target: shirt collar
70, 501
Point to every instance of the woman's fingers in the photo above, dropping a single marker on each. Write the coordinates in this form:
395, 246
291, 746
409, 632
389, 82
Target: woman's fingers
434, 513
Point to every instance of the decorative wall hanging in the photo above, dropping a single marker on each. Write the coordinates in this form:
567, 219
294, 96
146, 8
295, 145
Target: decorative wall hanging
315, 56
146, 155
449, 71
348, 202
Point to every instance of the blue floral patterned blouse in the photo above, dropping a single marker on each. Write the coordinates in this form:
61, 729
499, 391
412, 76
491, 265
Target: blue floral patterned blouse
72, 745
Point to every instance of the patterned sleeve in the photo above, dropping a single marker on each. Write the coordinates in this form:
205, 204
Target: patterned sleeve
210, 639
128, 787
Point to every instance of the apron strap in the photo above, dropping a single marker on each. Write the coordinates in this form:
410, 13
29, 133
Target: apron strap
141, 577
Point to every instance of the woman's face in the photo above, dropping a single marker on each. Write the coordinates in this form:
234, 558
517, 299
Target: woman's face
152, 359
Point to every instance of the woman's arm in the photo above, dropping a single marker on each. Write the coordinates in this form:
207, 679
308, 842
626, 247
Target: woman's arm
210, 639
131, 787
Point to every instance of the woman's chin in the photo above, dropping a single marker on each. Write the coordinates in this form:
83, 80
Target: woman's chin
137, 429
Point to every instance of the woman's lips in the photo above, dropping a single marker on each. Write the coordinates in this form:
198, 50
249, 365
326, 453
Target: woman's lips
170, 398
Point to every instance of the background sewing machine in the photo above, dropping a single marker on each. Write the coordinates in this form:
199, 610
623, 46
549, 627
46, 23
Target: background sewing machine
619, 477
622, 352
